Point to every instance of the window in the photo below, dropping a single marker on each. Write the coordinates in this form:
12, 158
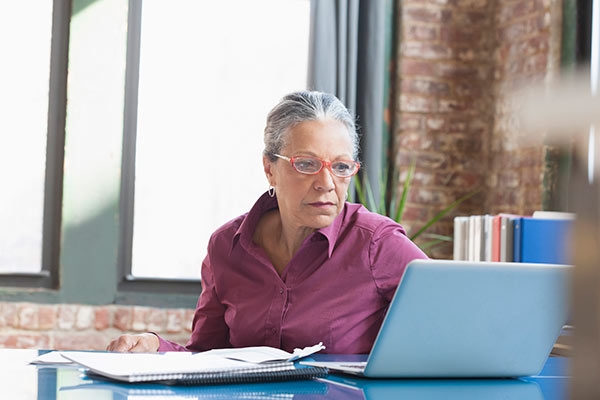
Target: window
208, 74
33, 80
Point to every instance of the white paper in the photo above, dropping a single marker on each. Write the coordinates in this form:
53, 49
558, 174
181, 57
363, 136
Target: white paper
54, 357
119, 365
264, 354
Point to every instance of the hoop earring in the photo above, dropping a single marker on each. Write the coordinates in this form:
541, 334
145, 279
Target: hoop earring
346, 196
271, 191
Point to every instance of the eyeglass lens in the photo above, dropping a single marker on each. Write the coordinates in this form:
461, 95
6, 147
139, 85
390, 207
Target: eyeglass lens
309, 165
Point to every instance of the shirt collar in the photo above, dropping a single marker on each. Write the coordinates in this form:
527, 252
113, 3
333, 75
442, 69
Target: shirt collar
248, 225
266, 203
332, 231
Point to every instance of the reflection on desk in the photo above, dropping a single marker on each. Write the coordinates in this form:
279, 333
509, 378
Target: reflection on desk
447, 389
22, 381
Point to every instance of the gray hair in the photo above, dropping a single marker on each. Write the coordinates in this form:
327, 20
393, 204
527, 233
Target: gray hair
302, 106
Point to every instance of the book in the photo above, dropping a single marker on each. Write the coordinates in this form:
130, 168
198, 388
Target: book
496, 229
486, 253
476, 242
461, 237
506, 237
198, 369
542, 240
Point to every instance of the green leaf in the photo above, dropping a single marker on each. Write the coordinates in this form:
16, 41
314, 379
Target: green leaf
371, 198
444, 238
442, 213
430, 244
359, 191
405, 188
383, 183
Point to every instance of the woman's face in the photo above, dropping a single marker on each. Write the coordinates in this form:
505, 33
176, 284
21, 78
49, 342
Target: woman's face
311, 201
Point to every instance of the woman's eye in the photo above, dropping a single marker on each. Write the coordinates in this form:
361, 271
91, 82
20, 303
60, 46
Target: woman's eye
341, 167
306, 164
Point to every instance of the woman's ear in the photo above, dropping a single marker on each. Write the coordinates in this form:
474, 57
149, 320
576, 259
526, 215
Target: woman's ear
268, 167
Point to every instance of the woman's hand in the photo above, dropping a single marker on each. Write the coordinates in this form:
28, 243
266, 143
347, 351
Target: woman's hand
143, 343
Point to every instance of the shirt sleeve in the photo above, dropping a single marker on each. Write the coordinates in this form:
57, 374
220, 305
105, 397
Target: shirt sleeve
390, 251
209, 330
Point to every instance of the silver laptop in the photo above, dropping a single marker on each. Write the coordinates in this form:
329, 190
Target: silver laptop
468, 319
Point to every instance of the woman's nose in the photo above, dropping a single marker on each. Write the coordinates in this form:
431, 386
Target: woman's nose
324, 180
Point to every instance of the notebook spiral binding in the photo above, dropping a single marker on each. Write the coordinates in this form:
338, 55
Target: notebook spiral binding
246, 377
280, 371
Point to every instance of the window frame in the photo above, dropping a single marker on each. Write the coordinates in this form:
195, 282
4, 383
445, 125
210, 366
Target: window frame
48, 277
126, 280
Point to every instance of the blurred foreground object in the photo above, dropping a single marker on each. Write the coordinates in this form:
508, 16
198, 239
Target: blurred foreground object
565, 114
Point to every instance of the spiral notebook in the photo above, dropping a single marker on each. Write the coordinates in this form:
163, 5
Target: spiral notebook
198, 369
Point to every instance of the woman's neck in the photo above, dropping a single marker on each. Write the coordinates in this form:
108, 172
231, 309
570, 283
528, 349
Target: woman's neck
290, 237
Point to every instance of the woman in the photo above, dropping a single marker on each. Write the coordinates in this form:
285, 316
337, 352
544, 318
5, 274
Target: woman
302, 266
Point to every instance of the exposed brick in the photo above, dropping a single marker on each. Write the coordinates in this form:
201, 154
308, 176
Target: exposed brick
426, 50
66, 316
452, 105
415, 213
417, 67
428, 196
507, 12
157, 320
420, 32
477, 18
521, 28
509, 179
174, 321
410, 122
436, 123
27, 340
424, 13
414, 141
414, 103
459, 35
140, 316
28, 316
456, 70
47, 317
102, 318
528, 47
9, 315
123, 318
425, 87
420, 178
84, 318
472, 4
433, 161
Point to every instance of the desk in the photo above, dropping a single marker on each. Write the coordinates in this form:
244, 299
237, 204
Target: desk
21, 381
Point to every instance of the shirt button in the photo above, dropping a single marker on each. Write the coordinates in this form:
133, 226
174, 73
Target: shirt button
280, 290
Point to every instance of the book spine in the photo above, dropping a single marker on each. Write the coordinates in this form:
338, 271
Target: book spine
517, 233
487, 238
506, 238
460, 233
496, 226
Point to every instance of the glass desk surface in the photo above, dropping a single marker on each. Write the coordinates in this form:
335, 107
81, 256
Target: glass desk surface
19, 380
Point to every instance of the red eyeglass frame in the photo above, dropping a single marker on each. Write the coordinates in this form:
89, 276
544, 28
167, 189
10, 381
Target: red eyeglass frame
323, 164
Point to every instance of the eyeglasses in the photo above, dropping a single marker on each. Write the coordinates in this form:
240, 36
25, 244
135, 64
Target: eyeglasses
313, 165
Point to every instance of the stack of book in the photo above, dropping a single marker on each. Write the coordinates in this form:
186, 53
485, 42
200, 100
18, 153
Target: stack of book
544, 237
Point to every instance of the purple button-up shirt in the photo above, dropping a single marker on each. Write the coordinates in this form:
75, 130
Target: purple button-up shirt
336, 289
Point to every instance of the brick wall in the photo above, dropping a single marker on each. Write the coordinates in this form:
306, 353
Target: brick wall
457, 60
83, 327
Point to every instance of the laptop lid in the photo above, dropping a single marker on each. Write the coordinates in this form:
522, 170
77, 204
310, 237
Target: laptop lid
471, 319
